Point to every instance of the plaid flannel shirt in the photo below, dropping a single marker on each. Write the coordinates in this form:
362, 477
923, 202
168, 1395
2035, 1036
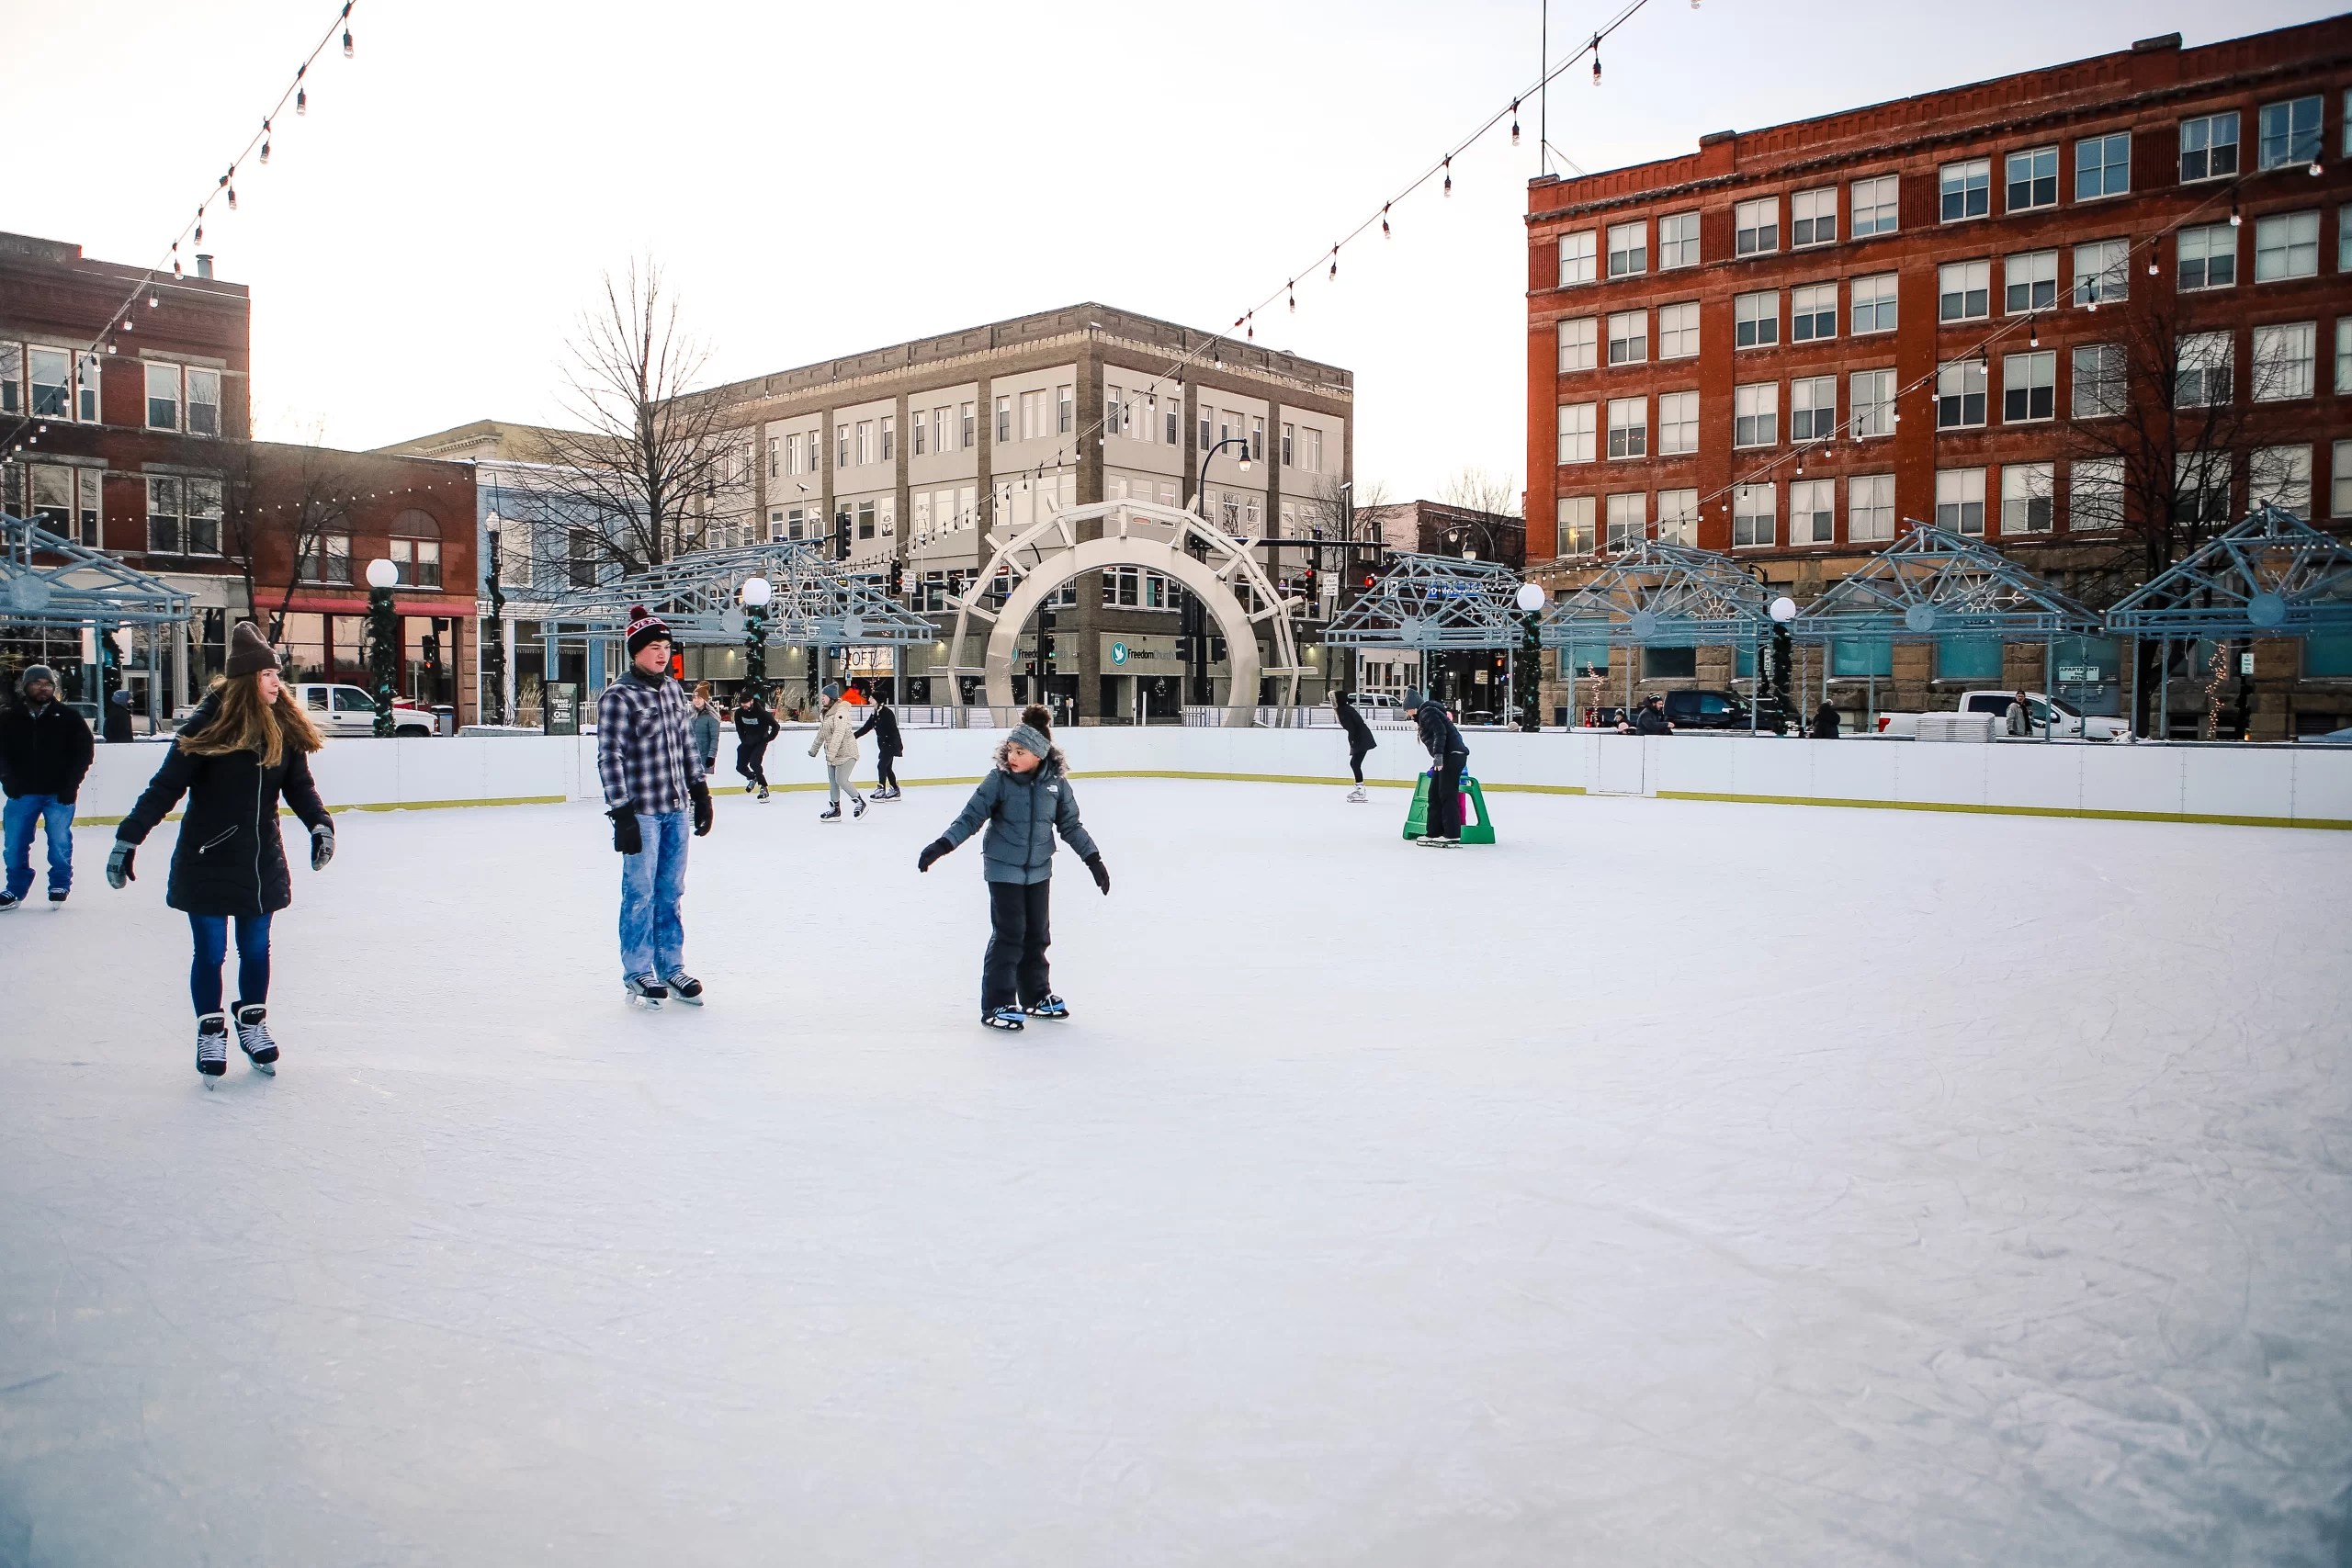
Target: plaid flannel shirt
645, 749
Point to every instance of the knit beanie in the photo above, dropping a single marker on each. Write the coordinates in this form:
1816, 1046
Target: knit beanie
35, 673
1031, 740
644, 627
249, 651
1412, 699
832, 692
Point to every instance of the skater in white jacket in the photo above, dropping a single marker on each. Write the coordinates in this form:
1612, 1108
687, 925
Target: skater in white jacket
837, 738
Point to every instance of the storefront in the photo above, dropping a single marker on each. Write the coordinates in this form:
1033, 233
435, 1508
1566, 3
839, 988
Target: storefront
325, 640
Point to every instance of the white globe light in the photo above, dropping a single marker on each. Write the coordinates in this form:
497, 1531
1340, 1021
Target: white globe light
1530, 597
756, 591
382, 573
1784, 608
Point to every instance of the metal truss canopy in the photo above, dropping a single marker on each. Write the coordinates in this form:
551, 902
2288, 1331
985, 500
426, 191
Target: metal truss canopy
2272, 575
1433, 602
48, 581
1660, 595
813, 602
1935, 583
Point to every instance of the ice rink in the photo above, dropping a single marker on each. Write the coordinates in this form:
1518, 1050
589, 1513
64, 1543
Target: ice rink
1673, 1183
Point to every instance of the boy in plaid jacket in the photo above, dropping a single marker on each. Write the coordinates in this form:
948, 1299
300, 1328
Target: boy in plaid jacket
652, 778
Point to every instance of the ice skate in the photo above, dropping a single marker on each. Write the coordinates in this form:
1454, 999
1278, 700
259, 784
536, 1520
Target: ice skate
686, 987
253, 1036
211, 1046
8, 901
859, 809
831, 814
1007, 1019
56, 897
645, 991
1051, 1007
1357, 795
764, 792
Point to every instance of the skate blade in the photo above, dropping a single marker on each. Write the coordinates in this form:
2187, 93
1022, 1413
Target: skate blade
266, 1070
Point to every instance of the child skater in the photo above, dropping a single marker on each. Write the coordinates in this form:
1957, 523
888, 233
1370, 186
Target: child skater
1024, 801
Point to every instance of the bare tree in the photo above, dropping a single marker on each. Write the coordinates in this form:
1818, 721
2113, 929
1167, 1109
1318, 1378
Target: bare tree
281, 505
1329, 507
1477, 490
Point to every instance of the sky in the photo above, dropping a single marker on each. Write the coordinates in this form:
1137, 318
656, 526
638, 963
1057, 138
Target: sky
816, 181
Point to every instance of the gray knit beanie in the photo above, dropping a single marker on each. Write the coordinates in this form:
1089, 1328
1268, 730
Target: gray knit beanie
35, 673
1031, 740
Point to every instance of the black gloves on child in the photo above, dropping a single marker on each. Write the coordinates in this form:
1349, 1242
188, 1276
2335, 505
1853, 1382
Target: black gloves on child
932, 851
1102, 872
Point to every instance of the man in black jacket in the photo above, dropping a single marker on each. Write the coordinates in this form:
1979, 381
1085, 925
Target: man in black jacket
44, 750
118, 727
1360, 740
884, 723
1650, 717
1448, 757
755, 727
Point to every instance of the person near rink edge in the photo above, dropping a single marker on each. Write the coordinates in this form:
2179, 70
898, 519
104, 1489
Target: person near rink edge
1449, 757
45, 751
1360, 740
654, 790
883, 723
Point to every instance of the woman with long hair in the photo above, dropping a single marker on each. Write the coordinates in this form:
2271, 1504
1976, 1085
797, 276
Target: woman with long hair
247, 747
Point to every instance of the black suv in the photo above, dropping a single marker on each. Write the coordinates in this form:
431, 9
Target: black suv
1706, 710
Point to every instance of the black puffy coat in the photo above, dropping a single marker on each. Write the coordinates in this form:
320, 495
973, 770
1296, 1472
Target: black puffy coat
117, 726
1652, 720
1437, 733
43, 752
755, 727
1359, 733
884, 723
1825, 723
230, 858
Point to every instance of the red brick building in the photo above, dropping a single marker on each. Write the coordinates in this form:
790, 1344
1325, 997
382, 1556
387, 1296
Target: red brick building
140, 447
1717, 342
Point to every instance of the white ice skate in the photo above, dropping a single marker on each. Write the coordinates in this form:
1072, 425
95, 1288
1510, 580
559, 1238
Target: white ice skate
1357, 795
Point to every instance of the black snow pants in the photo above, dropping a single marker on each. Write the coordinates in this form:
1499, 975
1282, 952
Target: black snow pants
885, 770
752, 762
1445, 796
1356, 754
1013, 974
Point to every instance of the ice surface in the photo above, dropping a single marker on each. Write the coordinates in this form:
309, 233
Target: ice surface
1673, 1183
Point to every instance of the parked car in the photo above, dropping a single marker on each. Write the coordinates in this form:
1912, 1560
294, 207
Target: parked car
1706, 710
349, 710
1385, 703
2069, 724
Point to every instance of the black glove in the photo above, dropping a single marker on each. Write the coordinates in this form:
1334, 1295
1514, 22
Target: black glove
322, 845
1102, 872
626, 837
701, 810
932, 851
118, 864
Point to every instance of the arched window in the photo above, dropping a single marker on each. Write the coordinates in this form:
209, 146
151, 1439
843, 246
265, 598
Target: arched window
416, 548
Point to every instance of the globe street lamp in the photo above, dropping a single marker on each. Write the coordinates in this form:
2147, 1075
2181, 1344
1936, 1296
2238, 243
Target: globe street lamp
383, 639
1529, 678
1784, 610
493, 642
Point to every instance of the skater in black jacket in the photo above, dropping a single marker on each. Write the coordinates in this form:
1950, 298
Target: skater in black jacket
247, 747
755, 727
44, 752
884, 722
1360, 740
1449, 756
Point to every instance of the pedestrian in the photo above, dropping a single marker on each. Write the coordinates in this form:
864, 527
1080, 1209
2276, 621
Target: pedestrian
653, 791
1826, 721
44, 752
755, 727
2020, 716
1360, 741
837, 737
706, 727
884, 723
118, 719
1650, 717
1024, 801
1448, 757
246, 747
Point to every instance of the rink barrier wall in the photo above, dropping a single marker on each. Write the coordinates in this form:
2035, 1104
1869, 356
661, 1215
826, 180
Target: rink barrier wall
2298, 787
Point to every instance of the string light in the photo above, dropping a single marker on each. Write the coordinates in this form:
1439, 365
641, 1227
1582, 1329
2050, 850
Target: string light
264, 143
1335, 264
1514, 122
2235, 221
1292, 286
302, 100
1448, 173
1595, 60
1383, 221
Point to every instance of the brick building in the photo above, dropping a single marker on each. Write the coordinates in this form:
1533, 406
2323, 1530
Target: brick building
1717, 342
142, 447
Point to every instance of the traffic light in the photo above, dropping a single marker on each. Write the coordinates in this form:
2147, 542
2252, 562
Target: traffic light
430, 646
841, 535
897, 577
1310, 582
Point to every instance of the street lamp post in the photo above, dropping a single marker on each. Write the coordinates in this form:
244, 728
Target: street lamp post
756, 592
1195, 619
383, 641
493, 648
1526, 679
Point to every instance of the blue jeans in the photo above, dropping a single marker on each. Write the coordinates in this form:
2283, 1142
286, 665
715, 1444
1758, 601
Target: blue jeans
16, 822
653, 882
211, 933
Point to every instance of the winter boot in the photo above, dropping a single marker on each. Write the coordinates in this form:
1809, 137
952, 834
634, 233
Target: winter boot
645, 991
686, 987
252, 1034
1006, 1019
831, 814
1051, 1007
211, 1046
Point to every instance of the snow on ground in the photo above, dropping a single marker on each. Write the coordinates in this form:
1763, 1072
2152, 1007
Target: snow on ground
1673, 1183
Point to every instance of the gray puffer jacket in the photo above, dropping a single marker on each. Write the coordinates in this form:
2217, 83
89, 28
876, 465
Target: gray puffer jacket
706, 728
1022, 813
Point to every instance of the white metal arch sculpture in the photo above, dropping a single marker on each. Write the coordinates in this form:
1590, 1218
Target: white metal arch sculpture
1230, 584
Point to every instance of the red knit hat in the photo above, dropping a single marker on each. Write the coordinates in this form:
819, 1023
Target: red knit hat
644, 627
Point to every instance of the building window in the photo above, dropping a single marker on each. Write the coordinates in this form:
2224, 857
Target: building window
1756, 226
1963, 291
1960, 395
1813, 218
890, 438
1873, 395
1678, 241
2094, 494
2283, 356
1066, 412
53, 383
1752, 514
1629, 427
865, 520
1576, 257
329, 559
1290, 446
2029, 387
968, 420
163, 504
1813, 512
2344, 354
1813, 408
2201, 487
2102, 272
1959, 500
1756, 320
1628, 523
1873, 204
1629, 337
1677, 424
162, 394
2201, 371
2209, 147
2027, 493
865, 432
1813, 312
1576, 429
1579, 338
841, 447
1869, 508
1967, 189
2285, 245
2208, 257
1256, 439
1575, 514
1756, 414
1314, 451
418, 561
203, 534
2029, 281
1629, 249
2341, 470
12, 377
1677, 516
2032, 179
2102, 166
2281, 477
1874, 301
1678, 331
204, 401
87, 392
2290, 132
2098, 380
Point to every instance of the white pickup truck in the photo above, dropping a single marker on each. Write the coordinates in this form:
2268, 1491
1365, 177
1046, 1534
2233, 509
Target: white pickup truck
349, 710
2068, 725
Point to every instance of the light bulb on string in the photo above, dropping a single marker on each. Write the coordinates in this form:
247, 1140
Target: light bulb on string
302, 100
346, 43
1253, 326
1595, 60
1514, 122
1293, 288
2235, 220
2033, 335
1335, 264
1383, 221
2152, 265
1448, 173
264, 142
233, 198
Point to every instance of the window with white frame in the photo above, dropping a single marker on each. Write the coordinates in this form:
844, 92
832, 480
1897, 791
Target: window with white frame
841, 445
2340, 470
1963, 291
329, 558
890, 438
1578, 426
2281, 477
1869, 508
2095, 495
1813, 408
1629, 249
1256, 439
1677, 516
2208, 257
2343, 238
2032, 179
1756, 320
1756, 414
2344, 354
1628, 522
1813, 512
1756, 226
1678, 331
1678, 241
968, 422
1066, 417
1872, 204
2027, 498
2201, 370
1813, 312
53, 383
1872, 393
1115, 411
12, 377
866, 431
1873, 304
2209, 147
2286, 244
1959, 500
1629, 337
2290, 132
86, 392
1580, 340
2200, 486
1575, 518
1629, 427
162, 394
1677, 424
1752, 514
165, 495
2098, 380
2102, 272
2283, 357
66, 499
1960, 395
1966, 189
1576, 256
2029, 387
2102, 166
1812, 217
2029, 281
